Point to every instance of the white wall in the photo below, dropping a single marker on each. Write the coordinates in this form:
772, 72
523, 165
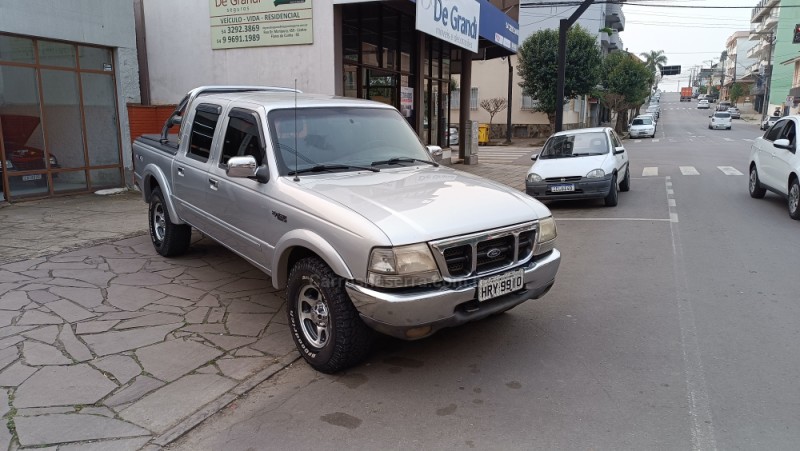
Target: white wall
180, 56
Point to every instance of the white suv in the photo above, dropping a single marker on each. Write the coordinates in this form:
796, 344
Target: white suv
720, 119
774, 164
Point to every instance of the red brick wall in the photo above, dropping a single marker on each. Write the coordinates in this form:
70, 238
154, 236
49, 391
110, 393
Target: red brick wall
148, 119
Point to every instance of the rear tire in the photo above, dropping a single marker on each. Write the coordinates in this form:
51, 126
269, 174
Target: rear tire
169, 239
612, 198
794, 199
326, 327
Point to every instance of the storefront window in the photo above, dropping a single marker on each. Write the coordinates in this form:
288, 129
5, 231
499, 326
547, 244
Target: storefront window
94, 58
16, 50
62, 114
56, 54
100, 111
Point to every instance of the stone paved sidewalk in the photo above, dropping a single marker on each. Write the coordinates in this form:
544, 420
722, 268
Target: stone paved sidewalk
118, 344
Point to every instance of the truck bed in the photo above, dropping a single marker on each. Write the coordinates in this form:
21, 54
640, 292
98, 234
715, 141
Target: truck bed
154, 141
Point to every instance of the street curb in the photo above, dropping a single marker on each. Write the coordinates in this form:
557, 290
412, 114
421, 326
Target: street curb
223, 401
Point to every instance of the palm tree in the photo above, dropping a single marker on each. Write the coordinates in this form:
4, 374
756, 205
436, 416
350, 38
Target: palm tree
655, 61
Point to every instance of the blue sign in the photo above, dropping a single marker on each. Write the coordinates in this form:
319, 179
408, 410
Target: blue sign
497, 27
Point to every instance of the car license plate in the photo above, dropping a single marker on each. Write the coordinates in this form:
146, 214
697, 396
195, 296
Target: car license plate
562, 188
27, 178
492, 287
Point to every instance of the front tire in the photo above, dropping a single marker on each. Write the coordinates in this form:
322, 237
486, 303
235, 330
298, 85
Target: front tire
325, 325
756, 190
612, 198
169, 239
625, 186
794, 198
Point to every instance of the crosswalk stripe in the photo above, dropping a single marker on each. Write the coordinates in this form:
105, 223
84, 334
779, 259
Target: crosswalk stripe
637, 141
502, 156
650, 171
728, 139
656, 140
689, 170
729, 170
748, 140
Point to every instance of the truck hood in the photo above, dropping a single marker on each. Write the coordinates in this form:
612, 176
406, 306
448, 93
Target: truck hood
569, 167
416, 204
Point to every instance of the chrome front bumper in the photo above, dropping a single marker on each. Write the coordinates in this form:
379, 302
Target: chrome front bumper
417, 314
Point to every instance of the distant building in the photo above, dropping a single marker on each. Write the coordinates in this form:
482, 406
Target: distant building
737, 64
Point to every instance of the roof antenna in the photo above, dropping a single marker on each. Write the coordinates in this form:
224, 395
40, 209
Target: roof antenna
296, 178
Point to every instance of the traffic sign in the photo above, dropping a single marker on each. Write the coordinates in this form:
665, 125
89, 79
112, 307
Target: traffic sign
671, 70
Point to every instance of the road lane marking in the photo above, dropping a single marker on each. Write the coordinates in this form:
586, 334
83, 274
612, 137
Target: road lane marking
729, 170
671, 202
728, 139
702, 426
650, 171
748, 140
613, 219
637, 141
655, 140
689, 170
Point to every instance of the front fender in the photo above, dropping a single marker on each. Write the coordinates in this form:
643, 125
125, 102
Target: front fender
311, 241
153, 176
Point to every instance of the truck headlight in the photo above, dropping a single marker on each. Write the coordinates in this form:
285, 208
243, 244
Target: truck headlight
546, 238
534, 177
404, 266
596, 174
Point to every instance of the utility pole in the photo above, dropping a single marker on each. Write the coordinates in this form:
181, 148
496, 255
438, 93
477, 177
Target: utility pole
563, 27
768, 74
510, 93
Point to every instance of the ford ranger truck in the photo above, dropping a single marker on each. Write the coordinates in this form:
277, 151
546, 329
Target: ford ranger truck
337, 200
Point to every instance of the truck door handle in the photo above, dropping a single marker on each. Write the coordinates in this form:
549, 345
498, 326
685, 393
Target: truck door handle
180, 172
213, 184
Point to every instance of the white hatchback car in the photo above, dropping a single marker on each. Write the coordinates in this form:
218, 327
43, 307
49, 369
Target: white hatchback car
775, 165
580, 164
720, 120
643, 126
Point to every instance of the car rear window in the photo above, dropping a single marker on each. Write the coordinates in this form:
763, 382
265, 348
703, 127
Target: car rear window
642, 121
722, 115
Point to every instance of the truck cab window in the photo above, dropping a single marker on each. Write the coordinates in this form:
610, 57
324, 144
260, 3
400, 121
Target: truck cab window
205, 122
241, 139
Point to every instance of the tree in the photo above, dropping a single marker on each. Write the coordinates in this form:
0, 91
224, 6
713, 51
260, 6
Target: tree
626, 84
538, 67
735, 92
494, 106
654, 60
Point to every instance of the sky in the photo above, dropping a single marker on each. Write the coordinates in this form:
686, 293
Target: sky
688, 36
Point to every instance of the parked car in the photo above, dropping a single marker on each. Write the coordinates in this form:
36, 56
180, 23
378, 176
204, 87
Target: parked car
654, 109
724, 105
734, 112
702, 105
720, 120
337, 200
642, 127
580, 164
20, 156
452, 136
769, 122
775, 165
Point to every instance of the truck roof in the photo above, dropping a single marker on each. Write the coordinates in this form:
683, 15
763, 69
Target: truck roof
282, 100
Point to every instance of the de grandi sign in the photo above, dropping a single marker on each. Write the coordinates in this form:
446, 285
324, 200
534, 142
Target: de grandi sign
454, 21
260, 23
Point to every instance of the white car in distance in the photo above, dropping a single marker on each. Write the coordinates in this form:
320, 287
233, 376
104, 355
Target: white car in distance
643, 127
703, 104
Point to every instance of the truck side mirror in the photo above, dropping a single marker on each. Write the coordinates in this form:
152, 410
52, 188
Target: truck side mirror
241, 166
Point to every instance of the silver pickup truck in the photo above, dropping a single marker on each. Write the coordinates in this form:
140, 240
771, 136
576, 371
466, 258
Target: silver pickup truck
339, 203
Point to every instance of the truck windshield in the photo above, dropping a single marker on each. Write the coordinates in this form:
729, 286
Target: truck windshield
341, 138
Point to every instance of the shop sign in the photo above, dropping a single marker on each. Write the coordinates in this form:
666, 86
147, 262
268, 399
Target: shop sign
260, 23
406, 100
454, 21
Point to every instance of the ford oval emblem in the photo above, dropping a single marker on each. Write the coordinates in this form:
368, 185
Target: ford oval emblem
494, 252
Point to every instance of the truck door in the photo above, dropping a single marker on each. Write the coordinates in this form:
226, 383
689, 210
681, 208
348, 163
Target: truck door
243, 206
190, 169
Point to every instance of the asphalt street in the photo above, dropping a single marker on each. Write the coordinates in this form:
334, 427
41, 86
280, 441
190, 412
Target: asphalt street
672, 325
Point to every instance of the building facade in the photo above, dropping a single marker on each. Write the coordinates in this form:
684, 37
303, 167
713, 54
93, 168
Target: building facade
737, 65
67, 70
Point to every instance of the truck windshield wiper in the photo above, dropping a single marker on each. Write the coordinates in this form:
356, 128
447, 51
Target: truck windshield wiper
404, 160
331, 167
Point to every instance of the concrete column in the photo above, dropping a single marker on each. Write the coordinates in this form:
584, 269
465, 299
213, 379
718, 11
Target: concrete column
463, 112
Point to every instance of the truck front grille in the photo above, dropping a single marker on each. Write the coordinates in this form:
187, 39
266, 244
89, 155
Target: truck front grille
481, 253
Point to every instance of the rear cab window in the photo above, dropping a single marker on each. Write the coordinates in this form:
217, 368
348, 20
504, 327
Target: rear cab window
201, 135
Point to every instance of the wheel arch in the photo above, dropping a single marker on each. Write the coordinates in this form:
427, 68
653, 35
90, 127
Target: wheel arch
299, 244
153, 177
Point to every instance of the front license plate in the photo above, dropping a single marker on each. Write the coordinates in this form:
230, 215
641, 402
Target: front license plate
562, 188
492, 287
27, 178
